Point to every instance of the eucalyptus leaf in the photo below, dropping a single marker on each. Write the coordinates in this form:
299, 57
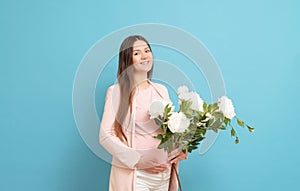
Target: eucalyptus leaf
232, 132
237, 140
204, 106
240, 122
226, 120
223, 127
251, 129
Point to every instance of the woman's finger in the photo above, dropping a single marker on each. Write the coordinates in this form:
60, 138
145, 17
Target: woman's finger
179, 157
156, 169
173, 154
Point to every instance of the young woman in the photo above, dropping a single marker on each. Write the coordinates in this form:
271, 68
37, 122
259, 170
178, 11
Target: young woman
127, 131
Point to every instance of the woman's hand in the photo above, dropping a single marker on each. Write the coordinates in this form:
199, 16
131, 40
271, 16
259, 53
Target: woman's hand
177, 155
156, 169
150, 165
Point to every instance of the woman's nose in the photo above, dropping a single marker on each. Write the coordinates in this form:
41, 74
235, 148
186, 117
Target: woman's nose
144, 55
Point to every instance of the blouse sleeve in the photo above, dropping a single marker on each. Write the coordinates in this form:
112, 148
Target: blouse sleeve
125, 156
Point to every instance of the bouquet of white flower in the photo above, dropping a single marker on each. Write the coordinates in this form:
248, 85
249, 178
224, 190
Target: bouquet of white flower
186, 128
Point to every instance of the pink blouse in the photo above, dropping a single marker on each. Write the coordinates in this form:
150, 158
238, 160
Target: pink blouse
145, 128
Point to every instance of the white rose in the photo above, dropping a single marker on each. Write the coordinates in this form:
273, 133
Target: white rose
157, 108
197, 102
182, 89
178, 122
226, 106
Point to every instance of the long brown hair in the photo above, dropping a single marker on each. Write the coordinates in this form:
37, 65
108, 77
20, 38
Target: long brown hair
126, 82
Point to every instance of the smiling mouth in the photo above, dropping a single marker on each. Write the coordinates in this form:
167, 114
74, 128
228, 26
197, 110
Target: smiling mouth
145, 63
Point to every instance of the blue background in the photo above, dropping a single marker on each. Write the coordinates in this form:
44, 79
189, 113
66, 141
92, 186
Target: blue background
255, 43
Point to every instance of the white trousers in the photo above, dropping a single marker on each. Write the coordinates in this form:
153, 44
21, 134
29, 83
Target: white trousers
152, 182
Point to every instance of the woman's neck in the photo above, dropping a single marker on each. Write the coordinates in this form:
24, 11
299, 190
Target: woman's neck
141, 81
143, 85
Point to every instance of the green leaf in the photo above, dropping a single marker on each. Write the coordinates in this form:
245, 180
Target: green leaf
251, 129
188, 113
157, 121
214, 125
203, 131
218, 115
237, 140
185, 104
226, 120
240, 122
209, 107
223, 127
159, 136
232, 132
191, 148
204, 107
214, 107
167, 111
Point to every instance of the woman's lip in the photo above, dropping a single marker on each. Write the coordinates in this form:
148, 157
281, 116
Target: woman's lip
145, 62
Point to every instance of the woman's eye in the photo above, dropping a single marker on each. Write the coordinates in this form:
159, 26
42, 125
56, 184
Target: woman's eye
136, 54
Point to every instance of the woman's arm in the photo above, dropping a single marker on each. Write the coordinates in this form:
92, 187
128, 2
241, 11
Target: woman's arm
125, 156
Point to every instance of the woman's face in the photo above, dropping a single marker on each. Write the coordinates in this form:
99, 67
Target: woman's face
142, 59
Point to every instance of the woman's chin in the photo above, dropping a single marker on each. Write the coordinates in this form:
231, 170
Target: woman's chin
143, 69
